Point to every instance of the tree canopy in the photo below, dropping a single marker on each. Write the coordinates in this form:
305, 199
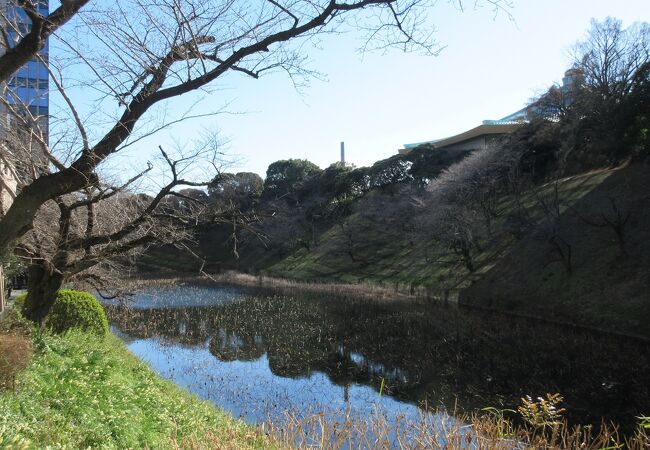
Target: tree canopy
282, 177
241, 189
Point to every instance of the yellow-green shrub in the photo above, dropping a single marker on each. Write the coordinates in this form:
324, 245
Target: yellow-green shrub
76, 309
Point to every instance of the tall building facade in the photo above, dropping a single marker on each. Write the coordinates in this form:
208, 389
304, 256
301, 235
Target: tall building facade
27, 92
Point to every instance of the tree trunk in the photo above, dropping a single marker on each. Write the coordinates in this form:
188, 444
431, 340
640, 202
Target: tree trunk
42, 286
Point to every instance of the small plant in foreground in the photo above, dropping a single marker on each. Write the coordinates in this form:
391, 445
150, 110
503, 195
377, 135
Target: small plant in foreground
502, 426
10, 441
543, 412
644, 422
19, 302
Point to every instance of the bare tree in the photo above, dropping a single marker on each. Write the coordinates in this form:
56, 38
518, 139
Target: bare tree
459, 207
549, 228
103, 226
616, 218
144, 53
105, 222
477, 181
456, 228
610, 56
600, 123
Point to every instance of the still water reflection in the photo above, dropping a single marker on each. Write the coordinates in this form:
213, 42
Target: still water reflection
258, 354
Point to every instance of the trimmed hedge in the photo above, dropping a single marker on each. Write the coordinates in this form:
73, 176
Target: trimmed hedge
76, 309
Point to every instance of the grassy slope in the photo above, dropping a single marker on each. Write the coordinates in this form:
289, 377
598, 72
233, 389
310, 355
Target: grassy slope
384, 254
81, 392
605, 289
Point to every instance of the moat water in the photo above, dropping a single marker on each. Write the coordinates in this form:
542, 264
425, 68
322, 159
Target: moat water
258, 354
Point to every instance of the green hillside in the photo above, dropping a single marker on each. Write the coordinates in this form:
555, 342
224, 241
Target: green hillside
604, 289
384, 254
608, 287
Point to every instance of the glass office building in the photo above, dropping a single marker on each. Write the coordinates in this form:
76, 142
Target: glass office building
27, 90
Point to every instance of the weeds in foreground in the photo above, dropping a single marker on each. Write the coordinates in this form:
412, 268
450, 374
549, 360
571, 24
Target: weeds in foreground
644, 422
543, 412
10, 441
491, 430
14, 323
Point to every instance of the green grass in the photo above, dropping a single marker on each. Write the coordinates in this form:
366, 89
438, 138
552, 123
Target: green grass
81, 391
386, 257
605, 289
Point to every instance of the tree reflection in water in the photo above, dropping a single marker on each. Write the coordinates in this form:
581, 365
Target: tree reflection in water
424, 353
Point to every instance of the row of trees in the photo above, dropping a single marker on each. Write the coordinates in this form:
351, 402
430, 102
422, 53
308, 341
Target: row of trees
298, 201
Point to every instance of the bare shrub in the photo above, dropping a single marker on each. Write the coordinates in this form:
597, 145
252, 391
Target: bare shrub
15, 355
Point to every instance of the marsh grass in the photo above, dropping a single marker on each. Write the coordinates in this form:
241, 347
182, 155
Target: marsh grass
442, 356
365, 290
360, 290
406, 293
430, 431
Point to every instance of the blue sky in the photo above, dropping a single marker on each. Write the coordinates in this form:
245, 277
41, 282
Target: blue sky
490, 67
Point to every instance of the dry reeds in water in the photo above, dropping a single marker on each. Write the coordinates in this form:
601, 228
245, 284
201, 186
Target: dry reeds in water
439, 431
359, 290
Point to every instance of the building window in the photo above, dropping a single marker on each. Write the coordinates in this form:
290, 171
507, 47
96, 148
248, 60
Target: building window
29, 82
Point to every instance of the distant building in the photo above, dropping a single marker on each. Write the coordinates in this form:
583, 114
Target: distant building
490, 131
477, 138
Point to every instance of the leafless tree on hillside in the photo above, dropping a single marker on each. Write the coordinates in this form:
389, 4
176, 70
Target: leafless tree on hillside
616, 218
461, 204
610, 56
477, 181
549, 228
